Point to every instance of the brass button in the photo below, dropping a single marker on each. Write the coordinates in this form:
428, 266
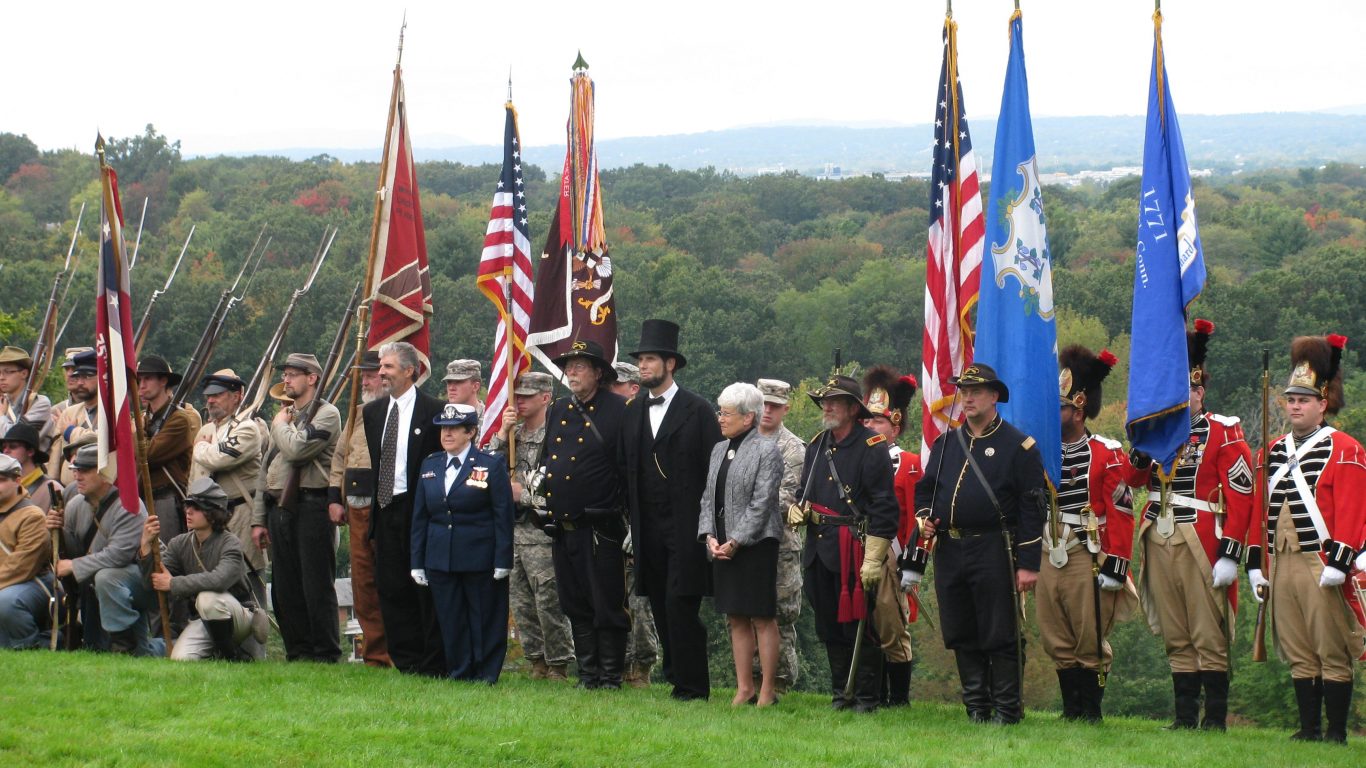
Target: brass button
557, 439
580, 439
572, 458
554, 457
563, 422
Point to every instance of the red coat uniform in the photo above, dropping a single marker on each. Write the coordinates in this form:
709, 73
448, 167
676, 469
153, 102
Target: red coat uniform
907, 473
1109, 497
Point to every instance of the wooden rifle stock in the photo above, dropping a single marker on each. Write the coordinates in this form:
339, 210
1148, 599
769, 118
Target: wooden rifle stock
1259, 631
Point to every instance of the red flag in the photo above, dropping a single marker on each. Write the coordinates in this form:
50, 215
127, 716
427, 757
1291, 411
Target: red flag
115, 365
401, 289
574, 279
954, 256
505, 277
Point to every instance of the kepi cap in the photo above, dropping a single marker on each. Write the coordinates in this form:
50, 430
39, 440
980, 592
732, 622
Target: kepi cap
302, 361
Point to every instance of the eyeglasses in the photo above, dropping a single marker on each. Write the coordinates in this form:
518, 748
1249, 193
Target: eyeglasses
11, 371
574, 366
724, 414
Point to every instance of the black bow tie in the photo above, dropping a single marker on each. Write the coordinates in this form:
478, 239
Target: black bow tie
653, 401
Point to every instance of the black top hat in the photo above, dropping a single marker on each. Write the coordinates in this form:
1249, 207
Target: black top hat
588, 349
369, 361
156, 365
661, 338
842, 386
23, 432
982, 375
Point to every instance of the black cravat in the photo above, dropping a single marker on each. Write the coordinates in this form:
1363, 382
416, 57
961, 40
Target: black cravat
653, 401
388, 453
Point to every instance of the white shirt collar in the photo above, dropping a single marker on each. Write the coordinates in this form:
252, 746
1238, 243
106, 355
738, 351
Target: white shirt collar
460, 457
405, 400
668, 395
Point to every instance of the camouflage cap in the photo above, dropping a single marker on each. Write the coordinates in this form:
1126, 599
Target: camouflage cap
774, 390
626, 372
533, 383
460, 370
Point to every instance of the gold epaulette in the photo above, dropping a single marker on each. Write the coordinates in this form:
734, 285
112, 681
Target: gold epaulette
875, 439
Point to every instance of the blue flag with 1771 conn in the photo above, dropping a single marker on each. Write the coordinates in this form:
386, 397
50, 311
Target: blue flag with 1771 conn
1169, 273
1016, 331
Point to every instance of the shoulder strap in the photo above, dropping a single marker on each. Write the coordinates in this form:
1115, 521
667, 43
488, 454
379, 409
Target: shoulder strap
977, 470
844, 489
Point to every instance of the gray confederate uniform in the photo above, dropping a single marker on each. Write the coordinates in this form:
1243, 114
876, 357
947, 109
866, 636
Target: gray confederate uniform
229, 453
213, 576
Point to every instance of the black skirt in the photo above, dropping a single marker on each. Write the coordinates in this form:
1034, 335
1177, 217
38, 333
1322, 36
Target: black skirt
747, 585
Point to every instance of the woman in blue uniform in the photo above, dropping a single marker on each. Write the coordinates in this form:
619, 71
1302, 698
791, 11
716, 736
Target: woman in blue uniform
462, 546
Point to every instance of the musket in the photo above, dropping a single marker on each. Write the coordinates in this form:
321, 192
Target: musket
255, 393
143, 327
1092, 546
1259, 629
55, 601
290, 493
339, 379
133, 260
42, 348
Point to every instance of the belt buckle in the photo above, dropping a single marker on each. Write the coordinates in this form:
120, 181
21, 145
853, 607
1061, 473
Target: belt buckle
955, 533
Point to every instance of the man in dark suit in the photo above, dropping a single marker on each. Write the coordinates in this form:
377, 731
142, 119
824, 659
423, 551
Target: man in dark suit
399, 433
665, 448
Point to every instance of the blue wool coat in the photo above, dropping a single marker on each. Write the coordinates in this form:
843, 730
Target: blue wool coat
469, 529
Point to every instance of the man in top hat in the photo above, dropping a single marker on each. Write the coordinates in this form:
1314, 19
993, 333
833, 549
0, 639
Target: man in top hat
984, 494
1192, 546
665, 452
51, 432
25, 560
1088, 540
777, 394
170, 433
847, 498
1316, 512
205, 566
21, 443
77, 420
350, 499
582, 492
399, 434
887, 394
462, 384
303, 550
15, 369
228, 450
627, 383
547, 641
100, 538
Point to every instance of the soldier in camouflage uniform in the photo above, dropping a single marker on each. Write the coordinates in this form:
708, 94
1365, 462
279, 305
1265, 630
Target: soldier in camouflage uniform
642, 650
546, 639
776, 394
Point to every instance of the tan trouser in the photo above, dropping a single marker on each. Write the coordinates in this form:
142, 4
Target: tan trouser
891, 615
1065, 607
1178, 591
1312, 628
195, 643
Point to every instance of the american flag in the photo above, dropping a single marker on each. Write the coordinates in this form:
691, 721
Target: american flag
954, 257
505, 277
116, 365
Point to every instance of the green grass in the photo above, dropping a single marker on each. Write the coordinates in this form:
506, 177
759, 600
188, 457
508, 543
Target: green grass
92, 710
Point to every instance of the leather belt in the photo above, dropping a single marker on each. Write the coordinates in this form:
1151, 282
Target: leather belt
956, 532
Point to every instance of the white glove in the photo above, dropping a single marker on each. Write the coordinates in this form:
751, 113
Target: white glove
626, 545
1332, 577
909, 579
1257, 580
1109, 583
420, 576
1361, 561
1225, 572
501, 573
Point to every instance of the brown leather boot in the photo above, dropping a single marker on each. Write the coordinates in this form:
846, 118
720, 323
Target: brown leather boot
539, 670
556, 672
638, 676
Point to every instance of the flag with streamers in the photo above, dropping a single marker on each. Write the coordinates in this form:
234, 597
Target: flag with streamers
1169, 273
505, 278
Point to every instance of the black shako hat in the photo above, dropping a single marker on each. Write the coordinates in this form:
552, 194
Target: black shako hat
156, 365
661, 338
842, 386
982, 375
589, 349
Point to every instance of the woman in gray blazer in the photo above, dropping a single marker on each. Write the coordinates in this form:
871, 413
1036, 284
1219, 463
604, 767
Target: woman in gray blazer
741, 525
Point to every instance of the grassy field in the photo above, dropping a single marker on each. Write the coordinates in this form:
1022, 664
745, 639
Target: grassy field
90, 710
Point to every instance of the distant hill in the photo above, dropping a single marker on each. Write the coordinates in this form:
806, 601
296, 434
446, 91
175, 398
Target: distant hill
1223, 143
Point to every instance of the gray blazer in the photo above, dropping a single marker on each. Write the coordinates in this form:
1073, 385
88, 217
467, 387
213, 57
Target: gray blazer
751, 492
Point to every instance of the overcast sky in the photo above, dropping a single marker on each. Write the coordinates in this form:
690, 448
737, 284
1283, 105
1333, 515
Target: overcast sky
250, 75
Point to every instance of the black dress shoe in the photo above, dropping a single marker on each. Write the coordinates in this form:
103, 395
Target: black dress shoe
687, 695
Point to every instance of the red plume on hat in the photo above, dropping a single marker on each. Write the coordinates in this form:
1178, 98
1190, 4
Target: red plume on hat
1197, 347
1317, 364
1082, 371
888, 393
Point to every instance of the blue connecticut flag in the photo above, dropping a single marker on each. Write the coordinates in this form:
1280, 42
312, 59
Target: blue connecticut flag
1016, 332
1169, 274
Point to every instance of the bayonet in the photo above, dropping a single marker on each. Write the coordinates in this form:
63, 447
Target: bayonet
133, 260
141, 335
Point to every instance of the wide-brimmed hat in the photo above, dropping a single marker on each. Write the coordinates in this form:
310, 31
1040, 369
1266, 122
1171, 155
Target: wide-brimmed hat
842, 386
156, 365
661, 338
87, 457
587, 349
982, 375
456, 415
16, 356
26, 433
225, 380
277, 392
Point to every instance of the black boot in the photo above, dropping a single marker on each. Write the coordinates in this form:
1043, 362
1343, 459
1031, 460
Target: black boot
586, 655
1089, 693
1309, 699
898, 681
974, 672
1067, 684
1337, 705
839, 657
868, 680
611, 657
1216, 700
1186, 690
1006, 695
123, 641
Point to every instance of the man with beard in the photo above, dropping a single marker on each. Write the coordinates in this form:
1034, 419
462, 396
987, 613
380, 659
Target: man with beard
51, 433
665, 453
399, 434
350, 497
170, 442
228, 450
301, 537
78, 418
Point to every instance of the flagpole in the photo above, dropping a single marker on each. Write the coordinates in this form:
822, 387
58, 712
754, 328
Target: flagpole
140, 443
509, 336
